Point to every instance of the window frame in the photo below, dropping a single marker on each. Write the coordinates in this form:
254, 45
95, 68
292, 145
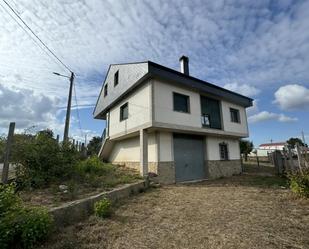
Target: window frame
233, 110
121, 116
226, 152
188, 102
116, 78
105, 90
203, 116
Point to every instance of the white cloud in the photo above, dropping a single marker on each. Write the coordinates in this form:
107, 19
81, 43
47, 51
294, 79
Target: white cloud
243, 89
27, 109
237, 42
292, 97
266, 116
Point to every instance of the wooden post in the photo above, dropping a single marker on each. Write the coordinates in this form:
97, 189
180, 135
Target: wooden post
290, 159
257, 160
6, 164
299, 158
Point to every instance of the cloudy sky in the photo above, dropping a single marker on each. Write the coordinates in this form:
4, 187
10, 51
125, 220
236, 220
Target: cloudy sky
257, 48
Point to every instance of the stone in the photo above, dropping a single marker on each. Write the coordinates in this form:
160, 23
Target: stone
63, 187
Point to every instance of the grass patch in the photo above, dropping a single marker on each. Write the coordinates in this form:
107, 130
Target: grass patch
91, 176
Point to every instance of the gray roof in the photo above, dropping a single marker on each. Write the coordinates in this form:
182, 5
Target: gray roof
135, 74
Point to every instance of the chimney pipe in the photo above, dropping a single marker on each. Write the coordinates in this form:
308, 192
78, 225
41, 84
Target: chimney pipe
184, 64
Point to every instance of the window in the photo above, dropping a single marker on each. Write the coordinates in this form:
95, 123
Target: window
181, 103
224, 154
205, 120
105, 90
116, 78
210, 113
235, 118
124, 112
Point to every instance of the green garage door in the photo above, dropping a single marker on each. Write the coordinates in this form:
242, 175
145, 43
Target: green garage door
189, 157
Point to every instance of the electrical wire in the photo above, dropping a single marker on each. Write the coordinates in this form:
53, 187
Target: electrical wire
50, 51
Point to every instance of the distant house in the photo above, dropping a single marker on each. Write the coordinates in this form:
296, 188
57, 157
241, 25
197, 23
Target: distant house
265, 149
170, 123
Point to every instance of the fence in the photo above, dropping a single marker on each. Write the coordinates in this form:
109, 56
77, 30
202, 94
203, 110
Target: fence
286, 161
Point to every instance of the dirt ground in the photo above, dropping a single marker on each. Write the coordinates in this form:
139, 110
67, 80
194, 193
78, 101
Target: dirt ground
239, 212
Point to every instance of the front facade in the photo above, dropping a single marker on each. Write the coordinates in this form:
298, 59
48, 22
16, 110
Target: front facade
169, 123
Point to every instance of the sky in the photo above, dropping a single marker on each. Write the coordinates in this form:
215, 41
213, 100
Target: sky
256, 48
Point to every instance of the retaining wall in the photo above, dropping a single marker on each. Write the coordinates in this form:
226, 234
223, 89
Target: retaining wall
75, 211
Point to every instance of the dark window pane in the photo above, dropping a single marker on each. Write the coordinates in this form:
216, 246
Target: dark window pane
234, 115
124, 112
105, 90
223, 151
181, 102
116, 78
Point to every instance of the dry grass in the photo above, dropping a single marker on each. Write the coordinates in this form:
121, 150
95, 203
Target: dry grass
238, 212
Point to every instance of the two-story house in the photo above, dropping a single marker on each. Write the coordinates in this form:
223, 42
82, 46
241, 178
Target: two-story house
167, 122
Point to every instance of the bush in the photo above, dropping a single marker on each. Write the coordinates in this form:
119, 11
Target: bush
299, 184
41, 160
35, 227
94, 166
20, 224
103, 208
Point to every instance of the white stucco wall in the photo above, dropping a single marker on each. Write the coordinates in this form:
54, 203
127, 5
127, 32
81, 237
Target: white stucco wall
212, 148
231, 126
139, 103
165, 146
164, 113
128, 150
163, 106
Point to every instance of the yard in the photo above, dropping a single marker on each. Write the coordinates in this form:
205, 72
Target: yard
248, 211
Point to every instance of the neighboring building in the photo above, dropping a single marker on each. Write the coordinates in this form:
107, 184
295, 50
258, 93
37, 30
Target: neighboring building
167, 122
265, 149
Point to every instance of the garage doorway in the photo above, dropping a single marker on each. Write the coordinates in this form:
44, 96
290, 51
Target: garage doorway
188, 157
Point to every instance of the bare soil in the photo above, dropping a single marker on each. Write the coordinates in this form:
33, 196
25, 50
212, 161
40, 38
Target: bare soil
247, 211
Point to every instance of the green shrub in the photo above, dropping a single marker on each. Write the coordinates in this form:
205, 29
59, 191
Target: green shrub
299, 184
41, 160
103, 208
35, 227
20, 224
94, 165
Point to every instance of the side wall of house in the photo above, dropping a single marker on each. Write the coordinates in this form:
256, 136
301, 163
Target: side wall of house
139, 112
217, 168
127, 152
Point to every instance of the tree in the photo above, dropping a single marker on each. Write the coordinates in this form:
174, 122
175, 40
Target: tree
245, 148
93, 146
292, 142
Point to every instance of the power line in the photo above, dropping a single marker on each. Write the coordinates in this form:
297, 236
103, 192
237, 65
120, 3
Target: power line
18, 16
35, 41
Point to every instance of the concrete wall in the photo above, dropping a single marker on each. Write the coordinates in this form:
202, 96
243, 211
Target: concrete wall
129, 74
241, 127
164, 113
139, 103
212, 148
165, 146
163, 105
128, 151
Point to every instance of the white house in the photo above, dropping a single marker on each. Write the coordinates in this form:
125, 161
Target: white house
170, 123
266, 148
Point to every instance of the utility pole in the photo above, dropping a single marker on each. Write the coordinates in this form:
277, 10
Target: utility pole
68, 114
303, 136
67, 118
